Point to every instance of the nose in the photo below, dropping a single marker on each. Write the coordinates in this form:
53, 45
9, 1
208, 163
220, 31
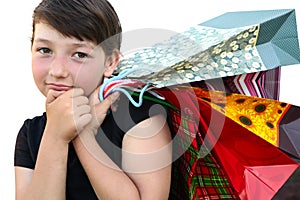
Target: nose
58, 67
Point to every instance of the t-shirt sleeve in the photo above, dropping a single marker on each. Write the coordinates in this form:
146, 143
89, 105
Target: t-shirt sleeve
116, 124
22, 157
128, 115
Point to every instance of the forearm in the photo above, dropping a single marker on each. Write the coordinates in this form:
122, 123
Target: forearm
105, 176
49, 177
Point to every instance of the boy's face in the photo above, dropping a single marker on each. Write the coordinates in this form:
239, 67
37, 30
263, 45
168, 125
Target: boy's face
61, 63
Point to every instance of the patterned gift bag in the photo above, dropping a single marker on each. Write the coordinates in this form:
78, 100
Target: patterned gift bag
237, 153
227, 145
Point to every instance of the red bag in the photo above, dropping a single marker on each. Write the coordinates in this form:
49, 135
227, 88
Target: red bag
255, 168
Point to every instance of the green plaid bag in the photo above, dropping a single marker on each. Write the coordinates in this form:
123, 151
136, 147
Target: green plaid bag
194, 177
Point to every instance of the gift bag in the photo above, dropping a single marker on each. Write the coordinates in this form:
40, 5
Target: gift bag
227, 143
196, 174
264, 84
253, 166
232, 44
239, 52
276, 122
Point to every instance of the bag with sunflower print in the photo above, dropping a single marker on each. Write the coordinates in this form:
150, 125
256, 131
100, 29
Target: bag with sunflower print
232, 146
233, 139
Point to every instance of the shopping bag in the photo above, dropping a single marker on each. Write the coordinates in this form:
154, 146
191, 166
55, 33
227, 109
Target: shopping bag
196, 174
239, 52
274, 121
236, 47
232, 44
264, 84
255, 168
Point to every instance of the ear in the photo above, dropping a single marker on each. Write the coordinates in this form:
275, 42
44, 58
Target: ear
111, 63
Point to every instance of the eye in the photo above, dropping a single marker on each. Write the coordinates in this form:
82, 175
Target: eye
44, 51
80, 55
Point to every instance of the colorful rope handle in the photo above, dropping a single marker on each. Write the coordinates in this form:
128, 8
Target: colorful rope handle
120, 76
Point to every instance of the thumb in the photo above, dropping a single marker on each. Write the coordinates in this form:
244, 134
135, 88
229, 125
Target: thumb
52, 95
94, 97
102, 108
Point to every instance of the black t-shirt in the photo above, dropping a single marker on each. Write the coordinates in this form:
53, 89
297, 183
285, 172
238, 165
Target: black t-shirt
110, 136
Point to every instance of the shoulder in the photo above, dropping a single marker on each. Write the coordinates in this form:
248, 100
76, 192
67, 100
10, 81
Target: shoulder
28, 141
134, 114
32, 130
127, 116
35, 123
148, 143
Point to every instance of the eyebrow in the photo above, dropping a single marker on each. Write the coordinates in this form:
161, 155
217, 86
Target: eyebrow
75, 44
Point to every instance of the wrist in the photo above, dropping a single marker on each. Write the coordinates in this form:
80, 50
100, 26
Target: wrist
86, 137
92, 130
55, 136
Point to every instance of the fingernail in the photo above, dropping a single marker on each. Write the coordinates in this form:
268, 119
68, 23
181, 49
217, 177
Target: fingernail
116, 95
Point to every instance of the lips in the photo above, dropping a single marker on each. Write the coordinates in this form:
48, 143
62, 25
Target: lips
59, 87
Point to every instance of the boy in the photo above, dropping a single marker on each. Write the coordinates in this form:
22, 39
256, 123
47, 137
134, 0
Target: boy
77, 149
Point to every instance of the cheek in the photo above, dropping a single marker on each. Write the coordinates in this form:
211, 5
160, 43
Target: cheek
89, 78
39, 72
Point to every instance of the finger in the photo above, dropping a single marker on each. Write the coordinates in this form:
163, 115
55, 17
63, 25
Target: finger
114, 97
52, 95
102, 108
115, 105
80, 100
82, 116
84, 120
77, 92
94, 97
82, 110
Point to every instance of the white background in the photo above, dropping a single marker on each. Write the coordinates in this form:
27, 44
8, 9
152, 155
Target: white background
21, 100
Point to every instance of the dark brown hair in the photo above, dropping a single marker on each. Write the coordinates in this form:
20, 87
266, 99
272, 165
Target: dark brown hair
94, 20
